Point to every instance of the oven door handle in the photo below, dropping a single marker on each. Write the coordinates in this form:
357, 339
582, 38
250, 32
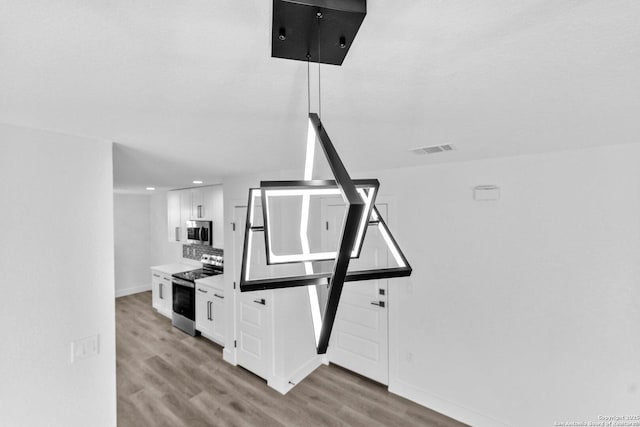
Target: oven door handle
180, 282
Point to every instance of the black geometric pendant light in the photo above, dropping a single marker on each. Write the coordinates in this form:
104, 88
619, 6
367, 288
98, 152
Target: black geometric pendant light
285, 207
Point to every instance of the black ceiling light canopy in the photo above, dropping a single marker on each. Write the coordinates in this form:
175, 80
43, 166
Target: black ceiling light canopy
294, 33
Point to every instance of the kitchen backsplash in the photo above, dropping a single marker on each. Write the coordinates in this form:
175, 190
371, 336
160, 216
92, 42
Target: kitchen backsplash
196, 251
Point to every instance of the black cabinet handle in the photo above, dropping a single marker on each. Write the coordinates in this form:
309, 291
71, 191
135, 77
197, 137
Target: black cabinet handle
219, 296
378, 303
209, 310
156, 275
203, 291
260, 301
161, 290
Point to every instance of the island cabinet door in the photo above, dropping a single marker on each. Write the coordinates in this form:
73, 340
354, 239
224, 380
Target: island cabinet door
156, 280
217, 328
167, 295
204, 309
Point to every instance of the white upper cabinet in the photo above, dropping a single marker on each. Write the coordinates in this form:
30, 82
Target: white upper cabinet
174, 217
198, 207
202, 203
185, 208
178, 213
214, 211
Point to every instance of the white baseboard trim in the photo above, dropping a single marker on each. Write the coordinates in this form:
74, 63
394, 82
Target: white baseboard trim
444, 406
279, 384
229, 356
133, 290
212, 339
283, 385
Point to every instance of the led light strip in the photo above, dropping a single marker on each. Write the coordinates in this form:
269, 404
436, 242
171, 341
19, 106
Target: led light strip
311, 152
314, 303
387, 238
302, 192
367, 197
365, 220
254, 194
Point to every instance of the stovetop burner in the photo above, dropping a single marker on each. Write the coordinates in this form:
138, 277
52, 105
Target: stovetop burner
194, 275
191, 276
211, 266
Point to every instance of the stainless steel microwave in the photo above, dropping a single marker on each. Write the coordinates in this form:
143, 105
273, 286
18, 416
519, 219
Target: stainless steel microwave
199, 232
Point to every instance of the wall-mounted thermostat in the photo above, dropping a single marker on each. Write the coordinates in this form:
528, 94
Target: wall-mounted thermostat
486, 192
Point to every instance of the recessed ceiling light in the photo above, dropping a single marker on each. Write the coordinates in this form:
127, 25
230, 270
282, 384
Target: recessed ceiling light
151, 188
197, 181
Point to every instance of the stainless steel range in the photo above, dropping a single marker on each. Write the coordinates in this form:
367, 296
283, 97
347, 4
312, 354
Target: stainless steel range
184, 292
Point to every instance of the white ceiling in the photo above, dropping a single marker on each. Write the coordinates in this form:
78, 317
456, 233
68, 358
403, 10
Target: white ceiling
187, 88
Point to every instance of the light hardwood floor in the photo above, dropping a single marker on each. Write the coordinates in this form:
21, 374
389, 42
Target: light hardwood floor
167, 378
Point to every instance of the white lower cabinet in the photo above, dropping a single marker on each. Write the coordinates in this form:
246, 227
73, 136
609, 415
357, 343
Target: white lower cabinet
210, 312
162, 299
275, 336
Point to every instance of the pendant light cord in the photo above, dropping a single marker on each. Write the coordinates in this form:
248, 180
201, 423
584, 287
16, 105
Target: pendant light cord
308, 85
319, 87
319, 16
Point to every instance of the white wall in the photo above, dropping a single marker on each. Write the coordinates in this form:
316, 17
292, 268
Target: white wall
522, 311
132, 239
57, 263
519, 312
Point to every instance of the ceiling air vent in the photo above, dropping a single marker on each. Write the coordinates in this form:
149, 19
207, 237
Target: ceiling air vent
432, 149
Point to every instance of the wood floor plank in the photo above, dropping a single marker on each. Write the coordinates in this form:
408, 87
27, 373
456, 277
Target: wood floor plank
151, 411
168, 378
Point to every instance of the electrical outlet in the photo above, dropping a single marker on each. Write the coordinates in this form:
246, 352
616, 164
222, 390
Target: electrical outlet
85, 348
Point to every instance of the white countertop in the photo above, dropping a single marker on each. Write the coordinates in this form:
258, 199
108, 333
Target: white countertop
216, 281
174, 268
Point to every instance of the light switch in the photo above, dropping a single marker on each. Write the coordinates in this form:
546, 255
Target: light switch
85, 348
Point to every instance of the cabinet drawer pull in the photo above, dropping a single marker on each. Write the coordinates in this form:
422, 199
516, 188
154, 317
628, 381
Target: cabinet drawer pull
177, 234
203, 291
218, 296
260, 301
156, 275
166, 278
161, 297
378, 303
209, 314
